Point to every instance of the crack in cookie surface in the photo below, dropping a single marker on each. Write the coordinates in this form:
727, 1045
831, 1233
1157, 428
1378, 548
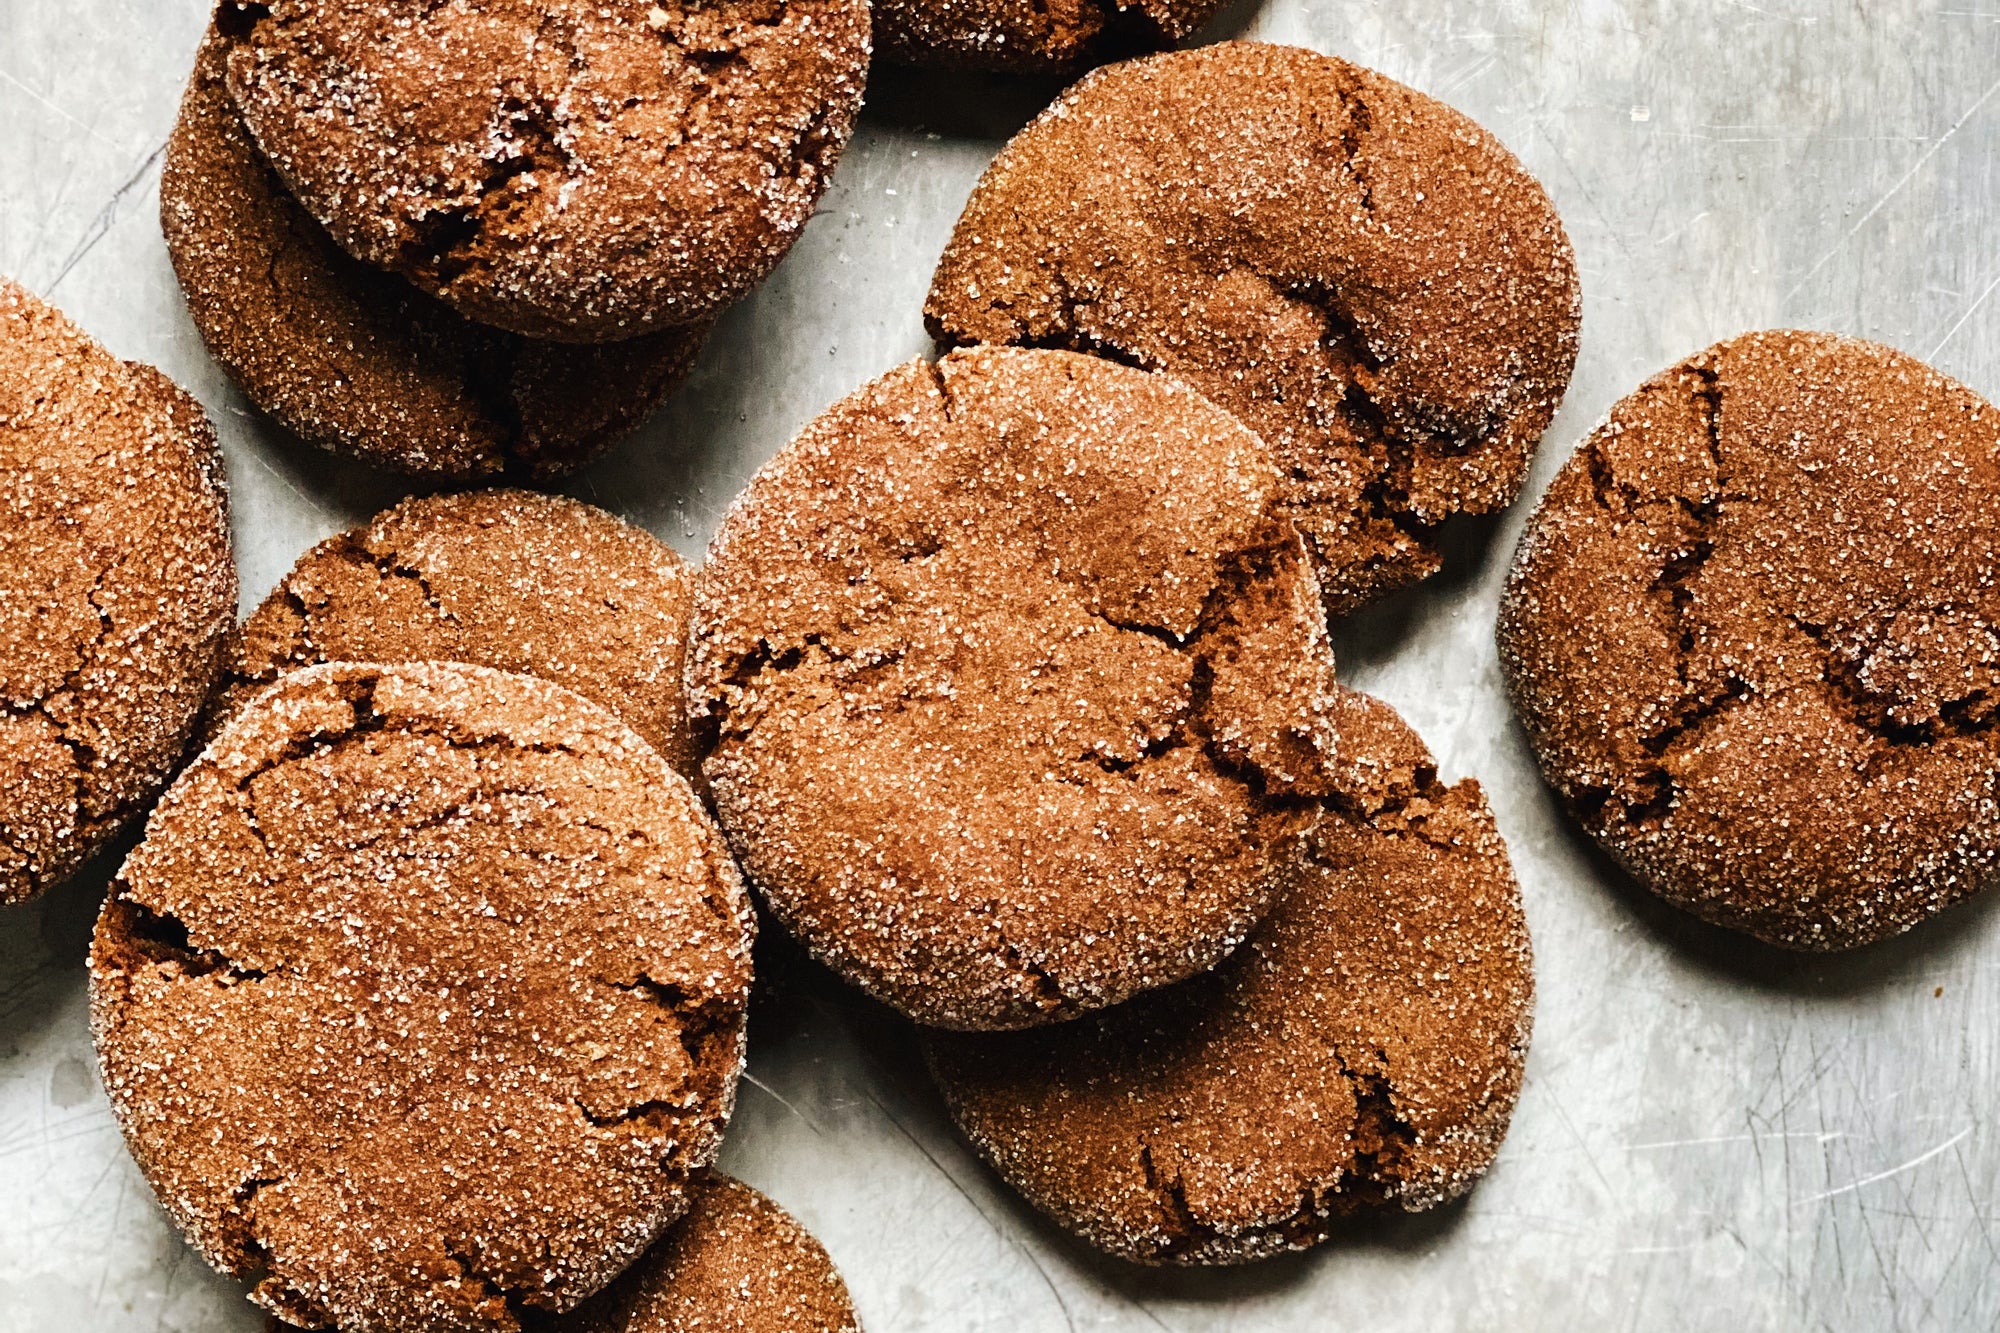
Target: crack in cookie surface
1363, 1049
450, 963
354, 359
1368, 280
561, 169
1751, 628
1007, 672
116, 589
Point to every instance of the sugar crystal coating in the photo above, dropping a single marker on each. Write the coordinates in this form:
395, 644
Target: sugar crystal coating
1368, 279
1751, 633
537, 584
1008, 669
560, 168
423, 998
117, 589
356, 360
1363, 1048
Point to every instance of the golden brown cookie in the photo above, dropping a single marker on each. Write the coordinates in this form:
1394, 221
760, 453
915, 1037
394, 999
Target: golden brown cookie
1364, 276
1029, 36
521, 582
423, 998
1363, 1048
561, 168
1751, 634
356, 360
736, 1263
1009, 669
116, 589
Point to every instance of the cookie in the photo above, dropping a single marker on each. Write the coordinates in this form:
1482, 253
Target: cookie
736, 1263
1749, 632
521, 582
423, 998
1363, 1049
357, 361
1364, 276
1029, 36
1008, 671
116, 589
558, 168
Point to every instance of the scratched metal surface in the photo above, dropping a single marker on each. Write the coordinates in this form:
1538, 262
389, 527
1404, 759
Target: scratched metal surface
1711, 1136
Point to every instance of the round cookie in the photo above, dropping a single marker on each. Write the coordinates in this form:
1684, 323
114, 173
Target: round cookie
357, 361
1364, 276
1363, 1048
736, 1263
1029, 36
559, 168
1009, 670
423, 998
522, 582
116, 589
1750, 634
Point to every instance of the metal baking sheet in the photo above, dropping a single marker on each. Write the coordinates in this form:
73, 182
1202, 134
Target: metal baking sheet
1712, 1135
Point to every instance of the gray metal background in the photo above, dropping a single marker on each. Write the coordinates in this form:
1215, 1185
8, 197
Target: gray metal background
1712, 1135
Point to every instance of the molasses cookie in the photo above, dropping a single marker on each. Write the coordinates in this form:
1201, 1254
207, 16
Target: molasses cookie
560, 168
116, 589
521, 582
1750, 634
1008, 669
1363, 1048
423, 997
1364, 276
1029, 36
736, 1263
356, 360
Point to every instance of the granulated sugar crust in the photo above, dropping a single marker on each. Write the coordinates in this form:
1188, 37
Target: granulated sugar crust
356, 360
736, 1263
560, 168
116, 589
1029, 35
1013, 676
1364, 276
423, 997
1363, 1048
1751, 632
537, 584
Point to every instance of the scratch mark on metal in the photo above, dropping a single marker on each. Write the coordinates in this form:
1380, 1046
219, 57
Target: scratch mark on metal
1923, 160
1865, 1181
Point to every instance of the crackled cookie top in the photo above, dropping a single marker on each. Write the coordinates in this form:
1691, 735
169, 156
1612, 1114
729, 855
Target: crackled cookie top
507, 579
116, 589
1751, 634
356, 360
1363, 1047
1364, 276
423, 997
1029, 35
1008, 668
560, 168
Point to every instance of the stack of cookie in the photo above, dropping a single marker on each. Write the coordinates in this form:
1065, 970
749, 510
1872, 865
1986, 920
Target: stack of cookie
1012, 674
422, 1002
489, 240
